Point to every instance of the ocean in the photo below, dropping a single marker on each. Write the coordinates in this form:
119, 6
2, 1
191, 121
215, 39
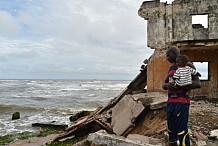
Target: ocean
51, 100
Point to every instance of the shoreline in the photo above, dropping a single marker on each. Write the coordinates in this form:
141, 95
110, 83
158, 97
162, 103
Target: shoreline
44, 136
203, 118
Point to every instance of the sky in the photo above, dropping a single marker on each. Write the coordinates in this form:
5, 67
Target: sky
72, 39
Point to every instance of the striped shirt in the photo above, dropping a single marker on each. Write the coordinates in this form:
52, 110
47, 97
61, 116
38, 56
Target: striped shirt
183, 76
181, 94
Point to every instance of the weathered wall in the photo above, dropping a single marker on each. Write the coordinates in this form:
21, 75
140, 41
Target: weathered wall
183, 12
156, 24
171, 24
157, 71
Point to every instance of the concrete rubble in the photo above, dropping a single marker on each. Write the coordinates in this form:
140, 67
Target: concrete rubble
127, 116
123, 118
139, 120
102, 138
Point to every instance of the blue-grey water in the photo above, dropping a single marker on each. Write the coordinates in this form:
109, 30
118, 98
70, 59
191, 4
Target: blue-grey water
51, 100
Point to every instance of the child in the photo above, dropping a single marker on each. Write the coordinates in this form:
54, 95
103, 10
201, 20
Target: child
183, 75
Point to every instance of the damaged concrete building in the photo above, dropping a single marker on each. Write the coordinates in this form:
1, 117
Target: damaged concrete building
172, 24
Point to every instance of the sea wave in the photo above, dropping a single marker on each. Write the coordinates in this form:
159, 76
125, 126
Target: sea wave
69, 111
51, 100
104, 86
74, 89
4, 107
57, 115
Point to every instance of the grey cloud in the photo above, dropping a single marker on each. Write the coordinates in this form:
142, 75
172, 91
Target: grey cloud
3, 59
8, 25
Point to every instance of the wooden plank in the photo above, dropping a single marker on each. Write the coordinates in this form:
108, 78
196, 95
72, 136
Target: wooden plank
105, 126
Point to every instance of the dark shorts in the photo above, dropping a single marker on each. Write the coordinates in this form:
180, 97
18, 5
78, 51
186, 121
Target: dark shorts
177, 121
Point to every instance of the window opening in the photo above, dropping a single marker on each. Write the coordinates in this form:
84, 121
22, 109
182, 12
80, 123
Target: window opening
202, 68
200, 21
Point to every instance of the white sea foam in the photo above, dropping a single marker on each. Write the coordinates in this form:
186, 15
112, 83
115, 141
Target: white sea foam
91, 95
74, 89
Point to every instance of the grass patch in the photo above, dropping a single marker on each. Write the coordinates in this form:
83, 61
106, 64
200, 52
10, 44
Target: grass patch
48, 131
6, 139
69, 142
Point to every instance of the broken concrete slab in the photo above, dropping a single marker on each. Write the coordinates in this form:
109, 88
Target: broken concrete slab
124, 113
103, 138
212, 143
155, 100
145, 139
214, 133
201, 143
159, 100
130, 107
